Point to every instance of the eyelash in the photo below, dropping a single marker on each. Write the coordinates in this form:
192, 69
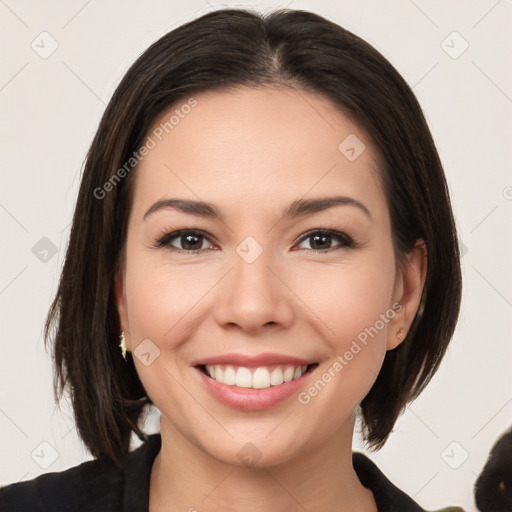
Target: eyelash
165, 240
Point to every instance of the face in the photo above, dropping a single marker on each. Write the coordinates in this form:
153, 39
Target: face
277, 279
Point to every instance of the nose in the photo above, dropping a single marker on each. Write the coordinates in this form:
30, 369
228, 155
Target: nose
254, 296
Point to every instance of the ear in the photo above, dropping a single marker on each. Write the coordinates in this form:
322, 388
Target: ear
122, 310
409, 284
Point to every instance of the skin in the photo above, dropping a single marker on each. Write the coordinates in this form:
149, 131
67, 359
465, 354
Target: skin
251, 152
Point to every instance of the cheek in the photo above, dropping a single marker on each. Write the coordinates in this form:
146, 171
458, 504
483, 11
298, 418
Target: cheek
161, 293
353, 307
161, 302
348, 298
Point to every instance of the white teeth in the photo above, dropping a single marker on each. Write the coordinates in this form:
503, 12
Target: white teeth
243, 378
229, 377
288, 374
277, 377
218, 373
260, 378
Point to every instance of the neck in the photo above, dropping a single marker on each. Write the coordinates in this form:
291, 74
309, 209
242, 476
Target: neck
185, 478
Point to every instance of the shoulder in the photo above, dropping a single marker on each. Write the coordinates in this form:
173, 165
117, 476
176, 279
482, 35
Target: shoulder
94, 485
387, 496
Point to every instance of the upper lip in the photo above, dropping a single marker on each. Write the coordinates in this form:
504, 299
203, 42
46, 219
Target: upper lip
266, 358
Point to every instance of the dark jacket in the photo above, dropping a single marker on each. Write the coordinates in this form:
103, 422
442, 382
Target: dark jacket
97, 486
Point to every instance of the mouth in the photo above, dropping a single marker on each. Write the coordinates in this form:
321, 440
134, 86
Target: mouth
255, 377
254, 388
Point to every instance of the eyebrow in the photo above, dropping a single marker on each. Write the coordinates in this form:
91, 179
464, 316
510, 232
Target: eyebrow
297, 208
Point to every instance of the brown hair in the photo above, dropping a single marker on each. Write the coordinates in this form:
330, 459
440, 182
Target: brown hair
227, 49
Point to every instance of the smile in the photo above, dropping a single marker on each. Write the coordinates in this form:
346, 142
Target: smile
237, 386
261, 377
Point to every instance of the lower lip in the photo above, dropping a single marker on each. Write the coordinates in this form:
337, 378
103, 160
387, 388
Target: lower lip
250, 399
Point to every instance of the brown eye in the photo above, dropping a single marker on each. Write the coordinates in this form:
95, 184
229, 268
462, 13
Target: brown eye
321, 240
185, 241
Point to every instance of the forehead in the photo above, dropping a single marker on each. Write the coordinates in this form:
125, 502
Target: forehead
248, 144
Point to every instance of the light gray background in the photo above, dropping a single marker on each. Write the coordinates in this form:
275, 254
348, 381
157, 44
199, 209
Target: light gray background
51, 108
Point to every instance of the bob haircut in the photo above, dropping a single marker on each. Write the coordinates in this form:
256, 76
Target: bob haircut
225, 50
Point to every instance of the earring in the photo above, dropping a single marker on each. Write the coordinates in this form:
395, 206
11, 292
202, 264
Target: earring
122, 345
400, 333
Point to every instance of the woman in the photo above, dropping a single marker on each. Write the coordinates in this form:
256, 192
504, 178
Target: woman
263, 244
